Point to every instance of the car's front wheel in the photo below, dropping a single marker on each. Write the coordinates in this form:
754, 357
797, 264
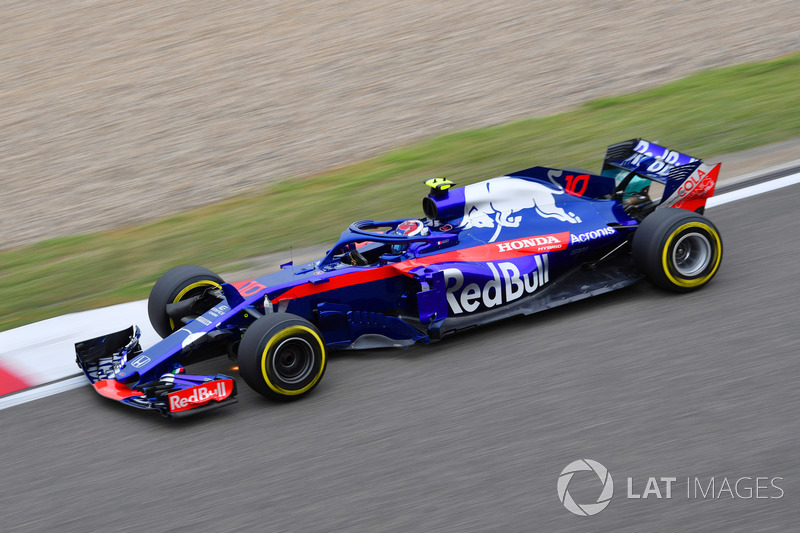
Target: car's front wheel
186, 283
282, 356
677, 250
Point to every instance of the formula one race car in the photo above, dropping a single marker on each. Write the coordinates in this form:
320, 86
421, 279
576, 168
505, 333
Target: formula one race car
512, 245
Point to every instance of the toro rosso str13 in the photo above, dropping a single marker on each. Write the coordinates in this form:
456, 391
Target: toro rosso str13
512, 245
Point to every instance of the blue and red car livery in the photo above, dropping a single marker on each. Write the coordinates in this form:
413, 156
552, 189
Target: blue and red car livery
512, 245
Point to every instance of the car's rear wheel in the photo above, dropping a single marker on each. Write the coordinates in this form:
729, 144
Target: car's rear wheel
186, 283
677, 250
282, 356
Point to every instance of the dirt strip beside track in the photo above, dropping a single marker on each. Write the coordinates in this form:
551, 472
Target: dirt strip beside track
115, 113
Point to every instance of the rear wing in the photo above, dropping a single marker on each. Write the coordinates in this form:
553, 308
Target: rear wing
688, 182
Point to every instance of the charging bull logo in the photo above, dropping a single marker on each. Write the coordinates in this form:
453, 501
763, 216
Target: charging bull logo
495, 203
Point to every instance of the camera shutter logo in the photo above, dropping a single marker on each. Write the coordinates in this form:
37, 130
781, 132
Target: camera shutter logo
587, 509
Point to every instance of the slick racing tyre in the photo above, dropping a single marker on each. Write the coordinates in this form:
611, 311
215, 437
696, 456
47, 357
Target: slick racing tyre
179, 285
282, 356
677, 250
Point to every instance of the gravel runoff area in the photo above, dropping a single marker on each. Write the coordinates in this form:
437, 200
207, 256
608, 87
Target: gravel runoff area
116, 113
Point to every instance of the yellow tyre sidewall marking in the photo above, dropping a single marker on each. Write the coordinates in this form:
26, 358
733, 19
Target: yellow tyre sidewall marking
190, 287
288, 332
696, 282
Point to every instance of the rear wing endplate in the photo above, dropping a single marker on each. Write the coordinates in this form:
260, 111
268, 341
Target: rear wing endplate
688, 182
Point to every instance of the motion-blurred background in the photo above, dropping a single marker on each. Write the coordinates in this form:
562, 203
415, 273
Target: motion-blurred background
117, 112
256, 126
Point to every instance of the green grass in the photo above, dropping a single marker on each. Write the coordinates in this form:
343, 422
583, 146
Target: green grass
707, 114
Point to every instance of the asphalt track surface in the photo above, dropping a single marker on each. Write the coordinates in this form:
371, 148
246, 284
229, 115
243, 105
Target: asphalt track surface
469, 434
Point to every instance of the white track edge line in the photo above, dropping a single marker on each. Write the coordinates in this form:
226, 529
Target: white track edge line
44, 391
753, 190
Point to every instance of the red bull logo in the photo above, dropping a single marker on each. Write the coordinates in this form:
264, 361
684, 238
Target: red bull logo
497, 203
506, 285
185, 399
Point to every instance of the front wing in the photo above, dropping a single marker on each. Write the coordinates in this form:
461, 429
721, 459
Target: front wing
174, 394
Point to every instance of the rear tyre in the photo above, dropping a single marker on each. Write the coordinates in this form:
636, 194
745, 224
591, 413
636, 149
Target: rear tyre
282, 356
677, 250
176, 285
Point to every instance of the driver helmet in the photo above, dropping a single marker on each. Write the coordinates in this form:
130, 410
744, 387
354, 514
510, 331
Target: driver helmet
409, 228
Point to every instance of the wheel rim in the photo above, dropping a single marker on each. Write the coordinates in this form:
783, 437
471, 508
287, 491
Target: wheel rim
189, 291
293, 360
692, 254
